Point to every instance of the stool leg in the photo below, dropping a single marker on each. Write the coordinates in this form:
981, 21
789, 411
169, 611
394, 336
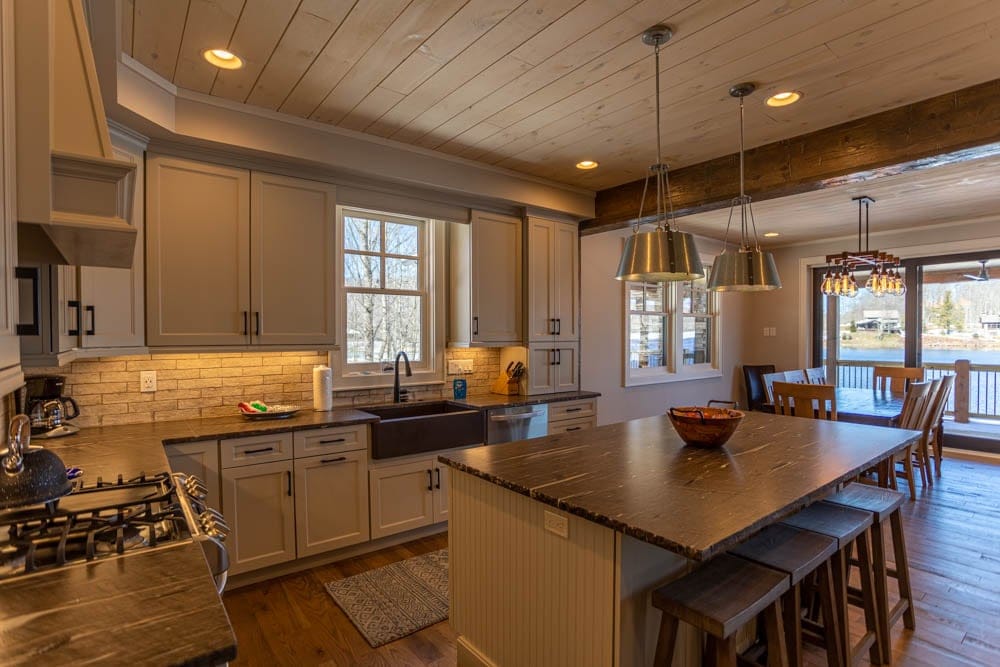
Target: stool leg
791, 611
666, 641
868, 600
831, 616
881, 590
776, 654
840, 570
720, 652
902, 568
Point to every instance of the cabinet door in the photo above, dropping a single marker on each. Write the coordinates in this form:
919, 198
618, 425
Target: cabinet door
113, 299
495, 267
260, 510
441, 473
67, 315
541, 369
402, 497
565, 280
567, 367
200, 459
331, 506
10, 349
292, 261
197, 253
541, 253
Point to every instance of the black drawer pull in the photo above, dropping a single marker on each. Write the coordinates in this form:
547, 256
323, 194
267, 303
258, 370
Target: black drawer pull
330, 442
289, 473
93, 320
430, 480
246, 326
573, 428
438, 471
339, 459
72, 303
573, 409
258, 451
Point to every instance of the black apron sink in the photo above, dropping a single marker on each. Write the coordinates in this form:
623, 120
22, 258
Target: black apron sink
425, 426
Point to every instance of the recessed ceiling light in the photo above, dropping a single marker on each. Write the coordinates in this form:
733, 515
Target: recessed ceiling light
784, 99
224, 59
771, 235
587, 164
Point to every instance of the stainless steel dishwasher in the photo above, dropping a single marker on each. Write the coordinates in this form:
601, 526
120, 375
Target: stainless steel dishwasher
519, 423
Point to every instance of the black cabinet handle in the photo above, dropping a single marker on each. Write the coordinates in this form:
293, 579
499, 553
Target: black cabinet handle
573, 428
258, 451
552, 328
73, 303
573, 409
438, 471
246, 323
289, 473
558, 357
256, 316
93, 320
558, 326
430, 480
339, 459
552, 357
475, 325
330, 442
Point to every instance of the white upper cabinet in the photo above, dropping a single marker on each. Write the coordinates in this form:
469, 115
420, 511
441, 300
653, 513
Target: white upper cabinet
197, 253
10, 349
486, 282
292, 260
553, 290
237, 257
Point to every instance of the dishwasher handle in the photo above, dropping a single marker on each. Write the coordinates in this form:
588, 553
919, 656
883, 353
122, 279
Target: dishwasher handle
517, 417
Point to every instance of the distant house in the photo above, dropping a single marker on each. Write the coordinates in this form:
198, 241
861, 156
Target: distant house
886, 321
989, 321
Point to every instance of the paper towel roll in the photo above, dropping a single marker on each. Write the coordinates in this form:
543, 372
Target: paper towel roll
322, 388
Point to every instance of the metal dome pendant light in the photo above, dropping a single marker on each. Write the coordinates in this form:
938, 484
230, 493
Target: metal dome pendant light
664, 254
749, 268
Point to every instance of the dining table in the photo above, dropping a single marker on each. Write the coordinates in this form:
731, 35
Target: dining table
875, 407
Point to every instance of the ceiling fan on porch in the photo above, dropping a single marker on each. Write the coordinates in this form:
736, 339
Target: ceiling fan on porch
983, 274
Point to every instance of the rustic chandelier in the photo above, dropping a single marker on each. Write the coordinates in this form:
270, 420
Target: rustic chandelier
884, 279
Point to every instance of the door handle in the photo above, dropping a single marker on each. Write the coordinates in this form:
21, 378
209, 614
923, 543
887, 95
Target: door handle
552, 328
558, 357
256, 316
246, 323
330, 442
93, 320
558, 326
574, 409
430, 480
475, 325
438, 471
573, 428
289, 473
258, 451
339, 459
73, 303
552, 357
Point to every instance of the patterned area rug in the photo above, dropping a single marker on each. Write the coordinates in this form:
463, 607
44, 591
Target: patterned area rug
396, 600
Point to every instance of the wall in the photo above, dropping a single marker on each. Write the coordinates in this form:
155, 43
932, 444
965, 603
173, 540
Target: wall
210, 385
788, 309
602, 330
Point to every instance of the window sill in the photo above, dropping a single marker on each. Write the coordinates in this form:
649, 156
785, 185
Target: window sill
385, 381
673, 377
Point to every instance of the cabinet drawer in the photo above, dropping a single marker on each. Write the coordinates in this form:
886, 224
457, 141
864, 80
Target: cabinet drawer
256, 449
572, 409
570, 425
329, 440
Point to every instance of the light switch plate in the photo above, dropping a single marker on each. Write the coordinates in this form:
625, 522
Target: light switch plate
556, 524
459, 366
147, 381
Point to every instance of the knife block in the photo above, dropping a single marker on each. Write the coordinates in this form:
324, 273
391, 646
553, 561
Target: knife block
506, 386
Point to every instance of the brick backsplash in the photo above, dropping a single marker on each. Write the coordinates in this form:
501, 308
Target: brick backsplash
211, 384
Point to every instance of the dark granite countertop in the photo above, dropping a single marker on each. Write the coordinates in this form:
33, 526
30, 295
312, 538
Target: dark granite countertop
637, 477
157, 606
487, 401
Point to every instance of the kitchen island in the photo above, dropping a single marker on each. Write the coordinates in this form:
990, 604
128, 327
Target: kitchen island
556, 543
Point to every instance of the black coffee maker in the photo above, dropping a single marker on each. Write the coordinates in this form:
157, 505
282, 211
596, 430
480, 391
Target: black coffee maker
50, 411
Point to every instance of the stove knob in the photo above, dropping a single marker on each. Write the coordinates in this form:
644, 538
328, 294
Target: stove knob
196, 488
213, 523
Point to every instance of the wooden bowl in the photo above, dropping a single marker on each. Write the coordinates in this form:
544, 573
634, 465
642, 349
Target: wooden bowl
705, 427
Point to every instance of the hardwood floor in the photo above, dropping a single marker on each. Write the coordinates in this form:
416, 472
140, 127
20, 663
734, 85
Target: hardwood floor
953, 541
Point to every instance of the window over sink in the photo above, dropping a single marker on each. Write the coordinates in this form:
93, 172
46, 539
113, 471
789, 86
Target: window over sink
671, 332
389, 298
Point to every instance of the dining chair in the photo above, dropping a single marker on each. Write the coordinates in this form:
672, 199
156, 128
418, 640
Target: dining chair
816, 401
913, 416
719, 403
797, 376
769, 379
757, 394
936, 444
816, 375
896, 378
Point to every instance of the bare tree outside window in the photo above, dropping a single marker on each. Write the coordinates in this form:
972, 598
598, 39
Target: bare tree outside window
386, 292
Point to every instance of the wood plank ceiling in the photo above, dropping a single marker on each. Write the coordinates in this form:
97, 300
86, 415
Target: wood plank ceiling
537, 85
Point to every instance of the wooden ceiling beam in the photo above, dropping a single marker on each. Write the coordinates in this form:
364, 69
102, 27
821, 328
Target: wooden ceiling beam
956, 127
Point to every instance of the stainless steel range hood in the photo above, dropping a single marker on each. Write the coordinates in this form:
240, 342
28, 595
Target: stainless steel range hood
74, 200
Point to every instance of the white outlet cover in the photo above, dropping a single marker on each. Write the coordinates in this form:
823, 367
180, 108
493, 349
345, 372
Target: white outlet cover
147, 381
459, 366
556, 524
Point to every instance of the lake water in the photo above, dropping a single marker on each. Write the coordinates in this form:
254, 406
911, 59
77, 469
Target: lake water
990, 357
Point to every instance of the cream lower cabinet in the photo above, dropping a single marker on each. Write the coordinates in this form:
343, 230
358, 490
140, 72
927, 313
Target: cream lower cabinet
259, 506
407, 495
331, 504
200, 459
552, 367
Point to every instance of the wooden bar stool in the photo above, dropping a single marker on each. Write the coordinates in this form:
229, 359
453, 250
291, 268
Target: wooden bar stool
884, 506
800, 553
719, 598
849, 527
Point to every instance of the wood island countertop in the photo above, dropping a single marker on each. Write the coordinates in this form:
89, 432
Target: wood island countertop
638, 477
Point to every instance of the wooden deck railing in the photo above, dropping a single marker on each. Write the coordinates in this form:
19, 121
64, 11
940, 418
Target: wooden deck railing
977, 386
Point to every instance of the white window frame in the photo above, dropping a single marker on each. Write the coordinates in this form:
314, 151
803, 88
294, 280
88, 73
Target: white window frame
430, 369
673, 370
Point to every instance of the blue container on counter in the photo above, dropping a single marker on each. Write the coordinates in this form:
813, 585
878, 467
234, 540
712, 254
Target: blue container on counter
458, 388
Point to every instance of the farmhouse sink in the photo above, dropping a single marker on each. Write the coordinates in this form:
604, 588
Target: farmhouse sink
424, 426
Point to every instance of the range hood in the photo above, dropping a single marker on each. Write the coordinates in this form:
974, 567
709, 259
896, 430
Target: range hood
74, 200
